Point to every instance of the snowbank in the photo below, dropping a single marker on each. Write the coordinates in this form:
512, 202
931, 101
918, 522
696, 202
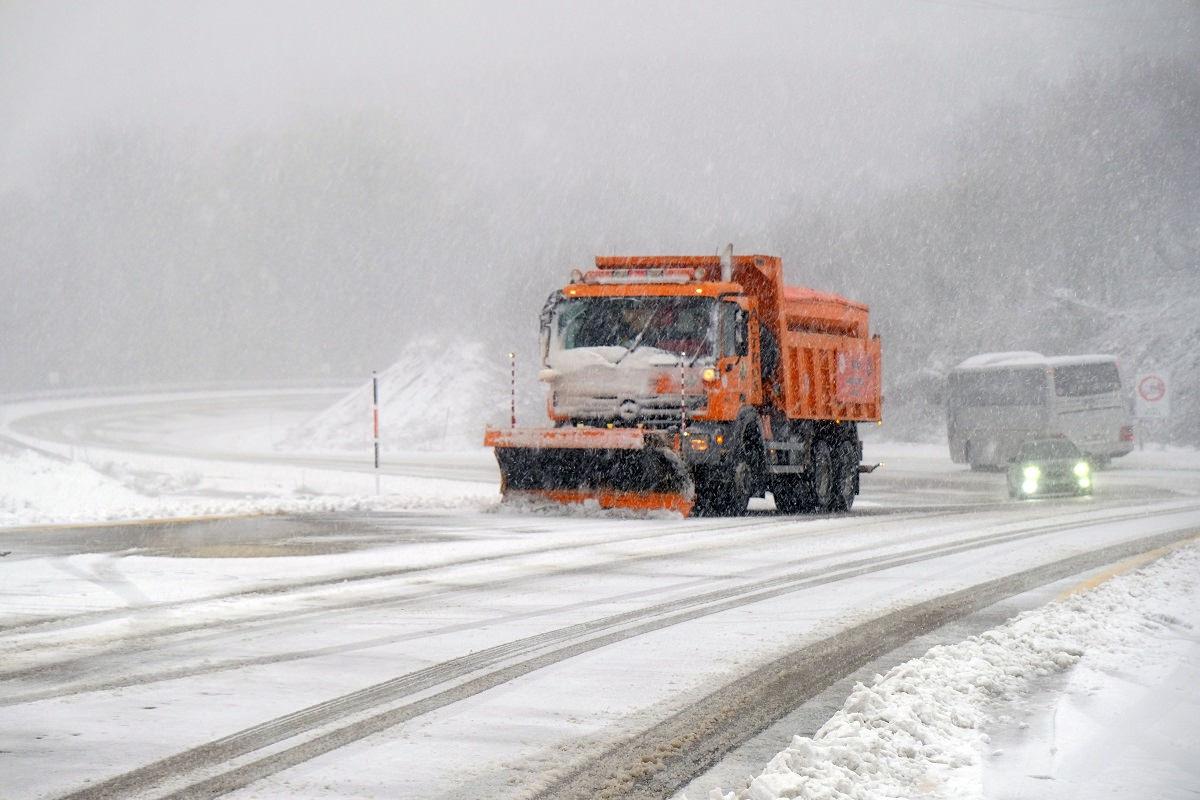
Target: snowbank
39, 490
438, 395
36, 489
917, 731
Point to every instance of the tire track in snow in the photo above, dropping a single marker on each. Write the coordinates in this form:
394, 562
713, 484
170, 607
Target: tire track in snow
305, 584
660, 761
354, 716
127, 646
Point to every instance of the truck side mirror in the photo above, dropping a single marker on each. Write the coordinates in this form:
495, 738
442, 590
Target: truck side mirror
545, 319
741, 337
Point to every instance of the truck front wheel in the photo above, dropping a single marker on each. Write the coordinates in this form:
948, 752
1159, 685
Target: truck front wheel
725, 493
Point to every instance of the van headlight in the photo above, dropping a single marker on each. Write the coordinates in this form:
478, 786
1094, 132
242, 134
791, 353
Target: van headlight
1032, 473
1082, 469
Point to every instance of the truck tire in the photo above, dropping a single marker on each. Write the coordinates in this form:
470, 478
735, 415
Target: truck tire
818, 483
707, 495
845, 476
790, 497
726, 494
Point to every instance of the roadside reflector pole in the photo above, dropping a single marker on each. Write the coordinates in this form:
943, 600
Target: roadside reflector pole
375, 422
512, 390
682, 401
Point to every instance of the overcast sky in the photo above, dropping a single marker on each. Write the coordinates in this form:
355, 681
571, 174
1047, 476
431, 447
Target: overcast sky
316, 177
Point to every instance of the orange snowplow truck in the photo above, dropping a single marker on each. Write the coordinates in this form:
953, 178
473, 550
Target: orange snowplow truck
693, 383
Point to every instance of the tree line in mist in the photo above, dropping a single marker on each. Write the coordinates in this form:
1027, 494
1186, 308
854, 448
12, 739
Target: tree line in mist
1062, 221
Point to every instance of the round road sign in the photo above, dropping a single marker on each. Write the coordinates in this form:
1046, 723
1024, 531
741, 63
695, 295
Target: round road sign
1152, 388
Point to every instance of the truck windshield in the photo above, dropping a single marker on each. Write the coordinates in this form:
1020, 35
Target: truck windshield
674, 324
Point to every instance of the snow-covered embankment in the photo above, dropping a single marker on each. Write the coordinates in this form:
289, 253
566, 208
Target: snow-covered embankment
920, 730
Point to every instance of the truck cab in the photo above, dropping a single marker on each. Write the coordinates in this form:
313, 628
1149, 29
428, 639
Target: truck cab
751, 385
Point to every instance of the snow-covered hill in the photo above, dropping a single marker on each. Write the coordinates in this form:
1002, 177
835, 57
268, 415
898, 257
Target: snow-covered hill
438, 395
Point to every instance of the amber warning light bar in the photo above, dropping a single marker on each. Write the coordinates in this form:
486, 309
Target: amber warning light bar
607, 276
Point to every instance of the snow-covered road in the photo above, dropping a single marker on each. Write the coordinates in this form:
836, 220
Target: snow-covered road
429, 644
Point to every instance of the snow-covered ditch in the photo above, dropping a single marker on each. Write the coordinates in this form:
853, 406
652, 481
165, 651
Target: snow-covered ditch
920, 730
36, 489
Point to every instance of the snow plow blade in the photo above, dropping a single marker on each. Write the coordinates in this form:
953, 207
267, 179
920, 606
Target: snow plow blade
625, 468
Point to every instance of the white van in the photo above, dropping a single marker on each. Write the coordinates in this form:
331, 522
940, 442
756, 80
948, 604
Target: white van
999, 400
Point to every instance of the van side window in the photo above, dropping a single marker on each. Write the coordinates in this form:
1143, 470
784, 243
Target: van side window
1081, 380
1007, 387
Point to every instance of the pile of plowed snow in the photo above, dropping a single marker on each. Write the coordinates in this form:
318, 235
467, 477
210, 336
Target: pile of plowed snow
918, 730
37, 489
438, 395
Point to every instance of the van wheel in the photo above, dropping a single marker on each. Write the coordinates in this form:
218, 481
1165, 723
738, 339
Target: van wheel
976, 466
845, 475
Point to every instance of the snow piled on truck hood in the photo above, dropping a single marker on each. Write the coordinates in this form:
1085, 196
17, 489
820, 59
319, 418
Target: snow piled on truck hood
438, 395
918, 730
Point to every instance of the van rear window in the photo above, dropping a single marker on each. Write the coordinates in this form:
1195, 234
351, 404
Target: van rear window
1081, 380
1002, 387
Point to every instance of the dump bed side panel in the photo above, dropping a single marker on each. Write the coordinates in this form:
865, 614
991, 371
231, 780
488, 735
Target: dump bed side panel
831, 377
830, 365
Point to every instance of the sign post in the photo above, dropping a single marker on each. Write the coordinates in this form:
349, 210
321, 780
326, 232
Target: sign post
512, 390
1152, 398
375, 422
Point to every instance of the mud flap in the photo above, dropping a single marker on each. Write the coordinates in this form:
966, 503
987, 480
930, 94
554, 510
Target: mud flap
621, 468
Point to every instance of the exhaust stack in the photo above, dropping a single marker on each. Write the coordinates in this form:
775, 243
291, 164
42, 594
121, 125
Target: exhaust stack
727, 264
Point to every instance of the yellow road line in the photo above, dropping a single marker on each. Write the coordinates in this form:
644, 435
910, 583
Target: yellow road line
1123, 567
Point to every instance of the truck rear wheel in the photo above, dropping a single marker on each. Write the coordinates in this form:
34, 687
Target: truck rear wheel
818, 483
845, 476
790, 497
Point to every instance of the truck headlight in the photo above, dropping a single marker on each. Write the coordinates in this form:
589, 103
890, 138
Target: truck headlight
1032, 473
709, 375
1082, 469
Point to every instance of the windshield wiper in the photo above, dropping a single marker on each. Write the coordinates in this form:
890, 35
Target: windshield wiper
695, 355
637, 341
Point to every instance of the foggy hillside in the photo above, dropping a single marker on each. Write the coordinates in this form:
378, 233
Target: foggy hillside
1070, 226
239, 192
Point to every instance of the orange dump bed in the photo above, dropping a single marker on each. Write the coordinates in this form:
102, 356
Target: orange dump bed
830, 364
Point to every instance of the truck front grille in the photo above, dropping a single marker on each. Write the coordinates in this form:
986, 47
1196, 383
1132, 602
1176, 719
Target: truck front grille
657, 411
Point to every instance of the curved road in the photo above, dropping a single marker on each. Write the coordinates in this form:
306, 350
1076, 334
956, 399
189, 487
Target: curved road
472, 653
